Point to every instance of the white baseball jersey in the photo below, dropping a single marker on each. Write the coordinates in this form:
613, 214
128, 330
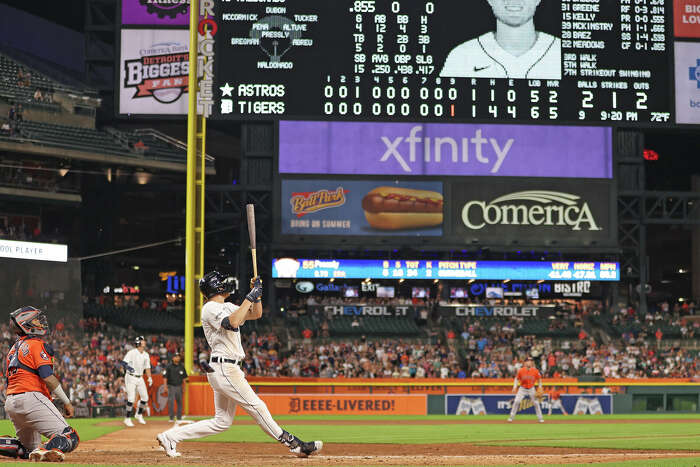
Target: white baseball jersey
231, 389
483, 57
139, 361
223, 342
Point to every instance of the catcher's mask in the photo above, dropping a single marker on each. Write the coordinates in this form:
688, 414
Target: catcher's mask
215, 283
30, 321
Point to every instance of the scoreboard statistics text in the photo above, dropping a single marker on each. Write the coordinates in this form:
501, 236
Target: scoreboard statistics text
589, 61
444, 269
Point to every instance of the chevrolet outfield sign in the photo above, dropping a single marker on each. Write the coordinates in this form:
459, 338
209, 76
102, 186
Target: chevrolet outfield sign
535, 211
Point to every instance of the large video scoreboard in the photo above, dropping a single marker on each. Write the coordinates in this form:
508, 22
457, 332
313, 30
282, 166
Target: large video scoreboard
550, 61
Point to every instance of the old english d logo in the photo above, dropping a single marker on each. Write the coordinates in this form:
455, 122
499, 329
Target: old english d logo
294, 404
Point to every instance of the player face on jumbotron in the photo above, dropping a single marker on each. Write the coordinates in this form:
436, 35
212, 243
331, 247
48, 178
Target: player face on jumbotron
514, 13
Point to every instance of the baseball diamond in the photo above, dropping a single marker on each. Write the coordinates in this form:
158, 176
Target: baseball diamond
350, 232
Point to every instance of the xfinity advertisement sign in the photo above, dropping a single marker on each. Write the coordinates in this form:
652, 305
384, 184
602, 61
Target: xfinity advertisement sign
514, 211
372, 148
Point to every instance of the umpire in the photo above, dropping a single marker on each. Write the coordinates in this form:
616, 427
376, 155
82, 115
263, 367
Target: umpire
174, 375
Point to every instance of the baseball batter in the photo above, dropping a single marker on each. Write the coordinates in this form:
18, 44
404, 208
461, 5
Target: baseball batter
30, 383
136, 362
526, 378
515, 50
221, 322
555, 401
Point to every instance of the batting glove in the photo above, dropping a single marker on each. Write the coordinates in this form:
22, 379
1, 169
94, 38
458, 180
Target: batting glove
255, 282
150, 381
255, 294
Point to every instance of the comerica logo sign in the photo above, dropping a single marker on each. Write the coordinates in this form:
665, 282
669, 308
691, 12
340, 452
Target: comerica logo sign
533, 207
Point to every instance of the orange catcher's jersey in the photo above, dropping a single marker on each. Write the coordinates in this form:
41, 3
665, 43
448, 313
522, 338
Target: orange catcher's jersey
555, 395
528, 377
28, 362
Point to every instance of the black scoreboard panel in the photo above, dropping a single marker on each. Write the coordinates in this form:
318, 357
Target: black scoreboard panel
588, 61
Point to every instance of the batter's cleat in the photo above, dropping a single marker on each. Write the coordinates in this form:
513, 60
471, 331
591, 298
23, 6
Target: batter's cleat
307, 449
541, 421
510, 419
128, 422
46, 455
168, 445
139, 418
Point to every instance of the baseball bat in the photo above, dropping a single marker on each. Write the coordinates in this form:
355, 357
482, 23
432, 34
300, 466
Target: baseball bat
250, 211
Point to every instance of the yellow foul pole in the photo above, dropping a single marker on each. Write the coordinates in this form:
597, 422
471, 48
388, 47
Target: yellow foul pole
191, 289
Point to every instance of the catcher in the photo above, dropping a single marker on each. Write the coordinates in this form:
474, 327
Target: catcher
526, 378
30, 383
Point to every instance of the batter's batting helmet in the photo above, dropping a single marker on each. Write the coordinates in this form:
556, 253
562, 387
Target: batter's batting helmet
138, 340
215, 283
31, 321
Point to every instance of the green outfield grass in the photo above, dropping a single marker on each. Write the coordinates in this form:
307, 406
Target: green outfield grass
681, 436
664, 436
87, 428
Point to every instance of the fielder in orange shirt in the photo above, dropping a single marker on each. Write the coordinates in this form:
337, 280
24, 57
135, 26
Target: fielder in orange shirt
555, 401
527, 377
30, 383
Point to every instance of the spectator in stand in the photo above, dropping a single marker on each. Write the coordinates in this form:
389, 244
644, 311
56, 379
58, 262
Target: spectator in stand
307, 333
37, 95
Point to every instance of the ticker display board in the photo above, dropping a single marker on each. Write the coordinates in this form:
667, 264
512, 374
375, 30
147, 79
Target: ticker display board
548, 61
439, 269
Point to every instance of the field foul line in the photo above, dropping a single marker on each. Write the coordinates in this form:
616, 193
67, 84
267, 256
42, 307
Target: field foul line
607, 438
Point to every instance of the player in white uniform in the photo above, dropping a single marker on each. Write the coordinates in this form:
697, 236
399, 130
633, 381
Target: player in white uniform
136, 362
516, 50
221, 322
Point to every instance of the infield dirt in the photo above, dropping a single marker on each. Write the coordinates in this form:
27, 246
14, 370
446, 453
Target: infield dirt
137, 446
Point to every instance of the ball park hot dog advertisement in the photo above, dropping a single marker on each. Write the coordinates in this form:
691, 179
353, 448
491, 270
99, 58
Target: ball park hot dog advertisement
361, 207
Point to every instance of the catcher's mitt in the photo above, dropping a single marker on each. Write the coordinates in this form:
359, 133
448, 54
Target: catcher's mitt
539, 394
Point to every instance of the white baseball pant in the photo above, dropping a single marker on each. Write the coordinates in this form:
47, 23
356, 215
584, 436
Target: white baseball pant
230, 390
134, 384
520, 395
33, 415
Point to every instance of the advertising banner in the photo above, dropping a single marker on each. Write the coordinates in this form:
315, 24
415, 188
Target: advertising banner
33, 251
153, 71
360, 309
377, 148
201, 400
535, 211
438, 269
487, 311
578, 289
687, 82
330, 404
358, 207
686, 18
156, 12
480, 404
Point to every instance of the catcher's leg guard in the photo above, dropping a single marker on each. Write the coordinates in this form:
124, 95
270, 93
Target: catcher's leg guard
65, 442
11, 447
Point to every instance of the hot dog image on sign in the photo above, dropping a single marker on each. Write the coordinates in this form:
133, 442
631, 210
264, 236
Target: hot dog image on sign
359, 207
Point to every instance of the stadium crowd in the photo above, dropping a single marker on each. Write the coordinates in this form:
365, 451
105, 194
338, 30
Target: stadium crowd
87, 355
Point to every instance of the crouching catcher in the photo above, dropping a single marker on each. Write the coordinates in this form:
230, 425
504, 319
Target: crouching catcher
30, 383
